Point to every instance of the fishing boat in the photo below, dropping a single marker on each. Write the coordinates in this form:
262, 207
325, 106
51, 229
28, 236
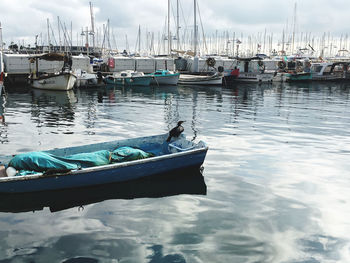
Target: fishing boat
62, 80
298, 76
56, 81
129, 78
328, 71
297, 71
198, 79
98, 164
251, 70
165, 77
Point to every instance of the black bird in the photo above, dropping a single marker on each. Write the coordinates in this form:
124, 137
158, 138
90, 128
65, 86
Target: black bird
176, 131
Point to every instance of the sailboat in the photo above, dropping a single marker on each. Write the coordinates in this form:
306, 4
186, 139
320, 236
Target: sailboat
197, 78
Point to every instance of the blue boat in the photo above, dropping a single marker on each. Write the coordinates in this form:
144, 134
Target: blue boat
129, 78
164, 77
177, 154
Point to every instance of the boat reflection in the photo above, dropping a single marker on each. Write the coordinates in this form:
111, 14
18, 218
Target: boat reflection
189, 181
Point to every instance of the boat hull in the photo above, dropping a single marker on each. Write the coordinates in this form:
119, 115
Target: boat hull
63, 81
112, 173
133, 81
298, 77
254, 77
172, 79
188, 79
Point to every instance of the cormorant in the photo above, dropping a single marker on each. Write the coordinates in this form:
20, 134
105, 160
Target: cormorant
176, 131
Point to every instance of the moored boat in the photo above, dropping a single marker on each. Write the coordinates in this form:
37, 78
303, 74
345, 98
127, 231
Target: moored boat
165, 77
86, 79
208, 79
250, 70
298, 76
62, 80
56, 81
328, 71
128, 78
74, 172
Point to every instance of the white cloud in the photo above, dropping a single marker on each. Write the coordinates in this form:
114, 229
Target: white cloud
25, 19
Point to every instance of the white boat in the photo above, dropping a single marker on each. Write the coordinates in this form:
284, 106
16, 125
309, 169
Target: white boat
329, 71
252, 70
165, 77
62, 80
85, 79
192, 79
128, 78
56, 81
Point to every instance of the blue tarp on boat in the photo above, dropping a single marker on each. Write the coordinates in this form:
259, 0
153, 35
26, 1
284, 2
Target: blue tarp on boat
28, 163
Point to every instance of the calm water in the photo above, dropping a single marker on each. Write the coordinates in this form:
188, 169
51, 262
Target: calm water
277, 176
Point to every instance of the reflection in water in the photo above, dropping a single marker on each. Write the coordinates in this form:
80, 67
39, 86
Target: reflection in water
179, 182
3, 130
53, 108
276, 171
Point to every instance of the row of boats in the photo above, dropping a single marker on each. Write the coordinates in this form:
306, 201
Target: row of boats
287, 72
66, 80
240, 70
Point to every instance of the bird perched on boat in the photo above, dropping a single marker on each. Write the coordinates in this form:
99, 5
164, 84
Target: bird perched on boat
176, 131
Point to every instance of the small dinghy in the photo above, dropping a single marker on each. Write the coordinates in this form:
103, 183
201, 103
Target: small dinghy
98, 164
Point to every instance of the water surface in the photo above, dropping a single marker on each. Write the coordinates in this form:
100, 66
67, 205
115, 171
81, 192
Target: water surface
276, 175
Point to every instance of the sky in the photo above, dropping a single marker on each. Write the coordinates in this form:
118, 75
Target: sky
22, 20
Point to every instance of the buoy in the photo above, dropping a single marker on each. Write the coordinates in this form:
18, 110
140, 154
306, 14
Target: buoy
10, 171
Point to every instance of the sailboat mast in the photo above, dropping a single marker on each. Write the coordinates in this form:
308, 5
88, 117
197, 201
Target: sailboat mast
1, 42
48, 34
294, 24
92, 25
195, 27
177, 25
139, 36
168, 27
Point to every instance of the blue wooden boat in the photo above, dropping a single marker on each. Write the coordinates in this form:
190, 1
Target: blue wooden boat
129, 78
176, 155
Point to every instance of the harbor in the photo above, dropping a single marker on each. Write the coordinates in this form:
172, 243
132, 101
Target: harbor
276, 173
244, 146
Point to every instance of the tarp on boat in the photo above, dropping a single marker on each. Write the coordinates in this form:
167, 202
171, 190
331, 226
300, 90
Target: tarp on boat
32, 162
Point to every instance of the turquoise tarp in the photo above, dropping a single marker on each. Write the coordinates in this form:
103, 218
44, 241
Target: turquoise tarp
33, 162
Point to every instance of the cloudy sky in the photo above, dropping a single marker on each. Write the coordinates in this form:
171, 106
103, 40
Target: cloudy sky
22, 20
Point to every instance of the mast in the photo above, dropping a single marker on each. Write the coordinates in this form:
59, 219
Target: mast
92, 25
48, 34
195, 28
195, 37
139, 36
283, 43
177, 25
59, 31
169, 27
294, 24
1, 42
